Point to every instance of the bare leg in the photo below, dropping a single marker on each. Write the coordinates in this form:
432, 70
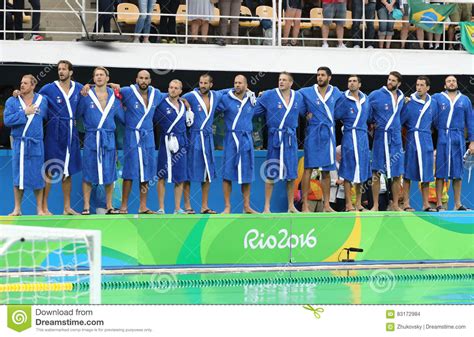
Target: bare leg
404, 33
187, 194
425, 195
205, 186
396, 194
126, 189
348, 195
406, 193
375, 190
227, 187
305, 183
290, 194
246, 194
439, 191
326, 186
340, 34
358, 204
178, 193
18, 195
161, 193
296, 24
420, 35
143, 196
67, 188
325, 33
47, 189
457, 193
381, 41
268, 195
204, 30
39, 202
86, 191
109, 189
388, 41
195, 29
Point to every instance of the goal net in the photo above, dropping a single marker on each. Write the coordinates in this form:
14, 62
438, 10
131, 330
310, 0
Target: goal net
42, 265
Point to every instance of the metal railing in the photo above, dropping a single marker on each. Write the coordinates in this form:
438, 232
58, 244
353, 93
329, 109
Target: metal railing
79, 11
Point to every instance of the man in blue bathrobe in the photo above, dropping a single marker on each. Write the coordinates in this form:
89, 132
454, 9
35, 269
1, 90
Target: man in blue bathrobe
454, 116
173, 118
62, 153
139, 163
238, 160
282, 107
417, 117
98, 111
353, 110
386, 104
320, 139
24, 115
201, 165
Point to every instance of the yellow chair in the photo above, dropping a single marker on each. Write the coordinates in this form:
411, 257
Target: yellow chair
316, 15
127, 13
155, 16
245, 11
181, 15
265, 12
215, 18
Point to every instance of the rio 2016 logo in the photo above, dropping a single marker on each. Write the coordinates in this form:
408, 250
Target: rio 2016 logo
255, 240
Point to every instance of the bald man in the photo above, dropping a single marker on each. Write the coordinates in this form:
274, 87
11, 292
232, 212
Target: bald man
238, 163
140, 101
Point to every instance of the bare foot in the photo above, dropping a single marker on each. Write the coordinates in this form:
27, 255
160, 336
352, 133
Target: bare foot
124, 211
69, 211
266, 211
394, 209
305, 210
45, 212
226, 210
16, 212
42, 213
293, 210
328, 209
374, 209
249, 210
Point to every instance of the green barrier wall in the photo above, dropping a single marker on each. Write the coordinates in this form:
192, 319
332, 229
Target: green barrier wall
276, 238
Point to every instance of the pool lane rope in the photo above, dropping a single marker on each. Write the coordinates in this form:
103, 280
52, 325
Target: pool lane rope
200, 283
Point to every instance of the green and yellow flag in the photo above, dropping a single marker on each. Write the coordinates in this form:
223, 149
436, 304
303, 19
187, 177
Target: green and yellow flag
467, 36
425, 15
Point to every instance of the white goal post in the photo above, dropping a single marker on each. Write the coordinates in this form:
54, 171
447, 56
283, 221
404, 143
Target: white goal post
38, 263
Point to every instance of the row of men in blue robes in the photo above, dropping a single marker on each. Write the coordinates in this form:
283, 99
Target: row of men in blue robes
186, 145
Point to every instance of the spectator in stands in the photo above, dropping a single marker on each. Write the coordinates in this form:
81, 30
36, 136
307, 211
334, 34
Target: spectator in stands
168, 23
384, 13
107, 8
144, 21
437, 37
292, 16
36, 17
18, 18
420, 34
334, 9
337, 198
357, 7
200, 13
462, 12
229, 8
